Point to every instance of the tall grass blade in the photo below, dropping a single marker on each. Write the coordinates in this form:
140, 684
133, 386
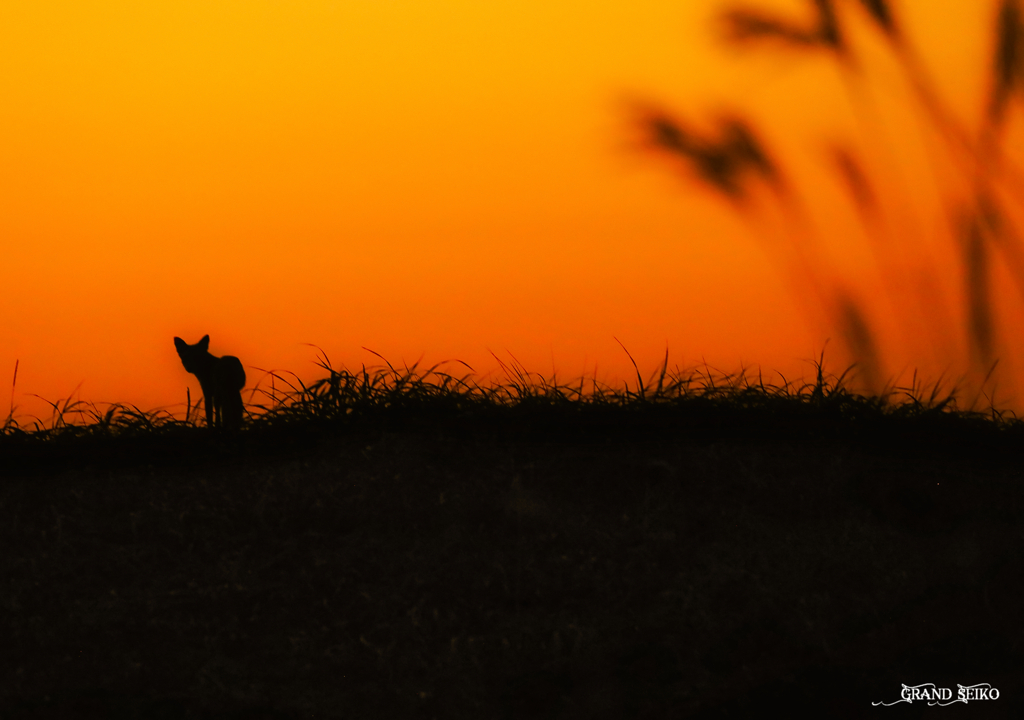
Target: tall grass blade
828, 31
883, 16
722, 161
743, 144
1008, 63
14, 383
741, 26
856, 183
639, 377
976, 271
382, 358
861, 342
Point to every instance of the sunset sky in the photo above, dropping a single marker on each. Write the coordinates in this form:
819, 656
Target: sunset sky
442, 180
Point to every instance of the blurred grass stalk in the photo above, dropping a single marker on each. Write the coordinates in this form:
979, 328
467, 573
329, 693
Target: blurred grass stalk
732, 161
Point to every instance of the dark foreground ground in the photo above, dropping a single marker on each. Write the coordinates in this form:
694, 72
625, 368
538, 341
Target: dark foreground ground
478, 573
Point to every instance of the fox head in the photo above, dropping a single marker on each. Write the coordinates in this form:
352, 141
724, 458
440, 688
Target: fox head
191, 353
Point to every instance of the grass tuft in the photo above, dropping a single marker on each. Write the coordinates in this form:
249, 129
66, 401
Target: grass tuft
698, 402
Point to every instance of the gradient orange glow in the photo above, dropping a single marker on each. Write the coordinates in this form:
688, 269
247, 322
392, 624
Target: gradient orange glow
436, 180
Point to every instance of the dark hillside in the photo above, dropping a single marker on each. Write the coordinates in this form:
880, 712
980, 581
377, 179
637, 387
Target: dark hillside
664, 557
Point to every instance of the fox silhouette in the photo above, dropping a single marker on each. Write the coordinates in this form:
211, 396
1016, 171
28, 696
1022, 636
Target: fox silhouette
221, 379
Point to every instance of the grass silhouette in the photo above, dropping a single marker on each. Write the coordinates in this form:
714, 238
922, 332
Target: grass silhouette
386, 397
412, 542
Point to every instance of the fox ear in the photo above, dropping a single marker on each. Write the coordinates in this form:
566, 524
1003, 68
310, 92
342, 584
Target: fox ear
204, 344
180, 344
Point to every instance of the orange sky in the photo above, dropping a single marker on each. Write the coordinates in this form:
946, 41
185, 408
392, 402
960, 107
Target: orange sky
424, 179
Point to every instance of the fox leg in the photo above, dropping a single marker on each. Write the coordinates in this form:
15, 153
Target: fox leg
210, 402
